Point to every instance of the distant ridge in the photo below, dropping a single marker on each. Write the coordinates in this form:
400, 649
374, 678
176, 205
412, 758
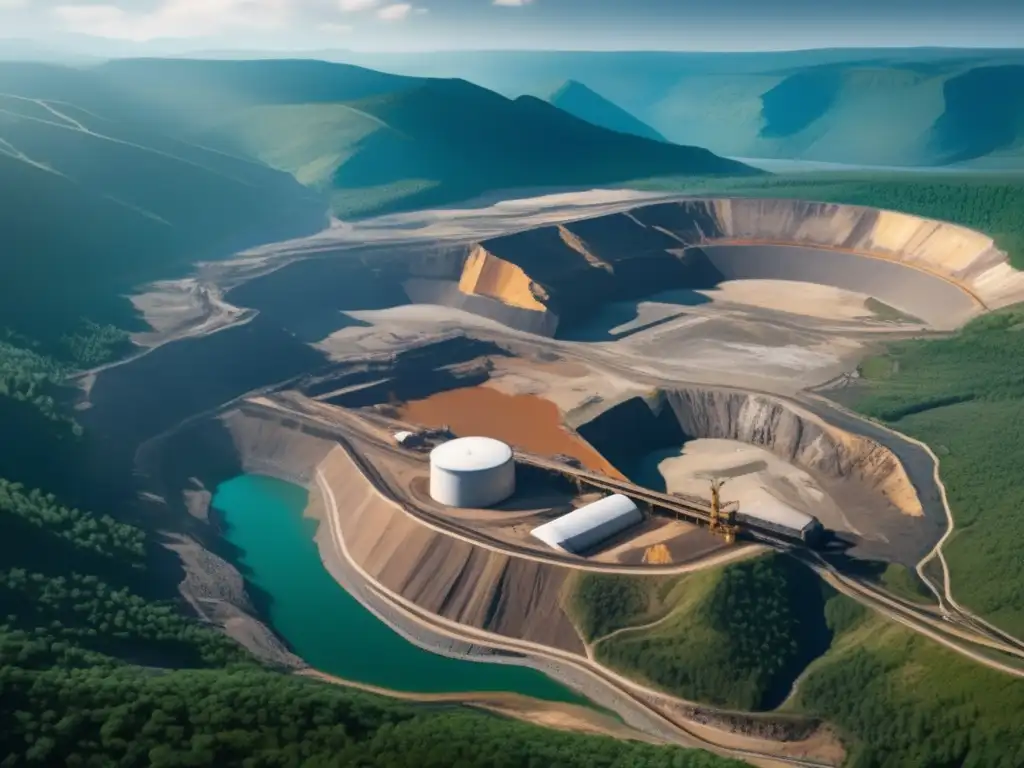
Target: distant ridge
373, 142
586, 104
924, 106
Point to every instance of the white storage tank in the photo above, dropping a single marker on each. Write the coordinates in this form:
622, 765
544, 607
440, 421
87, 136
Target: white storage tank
472, 472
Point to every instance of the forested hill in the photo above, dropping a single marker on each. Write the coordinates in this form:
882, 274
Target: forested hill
98, 204
581, 101
376, 142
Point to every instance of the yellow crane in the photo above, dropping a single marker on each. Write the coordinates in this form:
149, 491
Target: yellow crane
723, 518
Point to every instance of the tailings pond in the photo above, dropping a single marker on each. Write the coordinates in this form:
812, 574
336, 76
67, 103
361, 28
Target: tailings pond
326, 626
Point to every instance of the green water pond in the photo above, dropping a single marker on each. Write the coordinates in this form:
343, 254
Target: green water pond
325, 625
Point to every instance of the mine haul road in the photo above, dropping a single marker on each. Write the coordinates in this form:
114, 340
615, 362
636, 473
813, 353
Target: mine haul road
917, 618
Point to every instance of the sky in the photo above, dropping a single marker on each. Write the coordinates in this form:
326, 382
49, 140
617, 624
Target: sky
385, 25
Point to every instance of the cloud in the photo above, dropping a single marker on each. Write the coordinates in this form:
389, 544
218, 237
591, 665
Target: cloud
513, 3
335, 29
174, 18
356, 5
13, 5
394, 12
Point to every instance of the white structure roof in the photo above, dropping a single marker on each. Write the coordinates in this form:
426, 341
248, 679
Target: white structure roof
773, 511
589, 524
402, 436
470, 454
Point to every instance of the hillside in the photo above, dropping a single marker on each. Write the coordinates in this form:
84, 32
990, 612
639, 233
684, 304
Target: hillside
873, 107
736, 637
867, 113
582, 102
741, 634
863, 115
178, 161
375, 142
102, 204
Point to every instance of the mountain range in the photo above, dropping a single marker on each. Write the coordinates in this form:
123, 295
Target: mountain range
902, 107
373, 141
579, 100
871, 107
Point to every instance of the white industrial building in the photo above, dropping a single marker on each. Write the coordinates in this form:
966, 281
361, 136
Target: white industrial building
780, 518
472, 472
590, 524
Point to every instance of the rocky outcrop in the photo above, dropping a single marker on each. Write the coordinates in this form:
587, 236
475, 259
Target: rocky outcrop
485, 275
797, 436
571, 268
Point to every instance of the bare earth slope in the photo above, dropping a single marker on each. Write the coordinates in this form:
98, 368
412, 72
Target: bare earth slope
444, 575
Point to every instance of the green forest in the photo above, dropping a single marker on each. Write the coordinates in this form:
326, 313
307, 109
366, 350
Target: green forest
902, 700
735, 637
964, 397
897, 699
601, 603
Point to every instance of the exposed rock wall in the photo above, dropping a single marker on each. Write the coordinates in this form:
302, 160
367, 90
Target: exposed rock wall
485, 275
668, 419
447, 293
573, 267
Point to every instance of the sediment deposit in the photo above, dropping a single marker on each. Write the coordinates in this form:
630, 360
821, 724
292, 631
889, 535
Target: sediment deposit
939, 272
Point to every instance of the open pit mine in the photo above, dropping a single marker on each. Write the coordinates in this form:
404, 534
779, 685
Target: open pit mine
626, 394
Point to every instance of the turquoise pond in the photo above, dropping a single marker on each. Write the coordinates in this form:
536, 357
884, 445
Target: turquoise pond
325, 625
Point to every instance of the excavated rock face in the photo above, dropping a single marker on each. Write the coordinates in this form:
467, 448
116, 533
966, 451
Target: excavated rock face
797, 436
671, 418
568, 270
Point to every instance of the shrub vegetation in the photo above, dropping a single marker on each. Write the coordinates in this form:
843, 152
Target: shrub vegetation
736, 637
